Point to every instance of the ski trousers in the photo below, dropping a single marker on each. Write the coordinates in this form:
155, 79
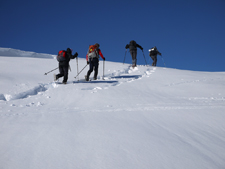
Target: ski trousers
63, 72
93, 65
154, 58
133, 54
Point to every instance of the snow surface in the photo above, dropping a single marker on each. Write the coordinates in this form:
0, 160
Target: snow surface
142, 118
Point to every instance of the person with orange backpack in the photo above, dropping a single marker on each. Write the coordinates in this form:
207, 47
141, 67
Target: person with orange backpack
64, 59
92, 58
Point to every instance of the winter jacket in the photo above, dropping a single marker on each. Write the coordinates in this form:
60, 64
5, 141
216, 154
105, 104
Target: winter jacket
154, 53
67, 60
133, 46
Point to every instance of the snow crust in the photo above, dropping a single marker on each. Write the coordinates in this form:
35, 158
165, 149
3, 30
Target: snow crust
147, 117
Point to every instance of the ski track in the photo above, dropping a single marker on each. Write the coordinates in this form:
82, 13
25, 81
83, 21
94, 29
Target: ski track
34, 91
117, 78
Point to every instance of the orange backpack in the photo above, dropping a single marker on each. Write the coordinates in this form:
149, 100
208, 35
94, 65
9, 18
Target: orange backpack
92, 51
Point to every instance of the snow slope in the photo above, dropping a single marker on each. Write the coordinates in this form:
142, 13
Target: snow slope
147, 117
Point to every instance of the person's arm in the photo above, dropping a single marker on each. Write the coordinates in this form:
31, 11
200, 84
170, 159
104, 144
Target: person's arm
100, 53
159, 53
73, 56
140, 47
87, 57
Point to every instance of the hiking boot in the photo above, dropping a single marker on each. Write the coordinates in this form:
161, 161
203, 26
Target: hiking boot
64, 82
55, 77
87, 78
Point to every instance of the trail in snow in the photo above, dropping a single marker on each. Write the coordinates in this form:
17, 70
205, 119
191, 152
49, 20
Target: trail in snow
115, 79
34, 91
119, 77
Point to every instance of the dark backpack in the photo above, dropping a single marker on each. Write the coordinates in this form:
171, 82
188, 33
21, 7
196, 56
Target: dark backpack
153, 52
133, 45
61, 56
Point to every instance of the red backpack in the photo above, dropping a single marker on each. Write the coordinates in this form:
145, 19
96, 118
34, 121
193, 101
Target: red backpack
61, 55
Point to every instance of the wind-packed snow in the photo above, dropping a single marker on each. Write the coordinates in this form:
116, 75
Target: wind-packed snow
142, 118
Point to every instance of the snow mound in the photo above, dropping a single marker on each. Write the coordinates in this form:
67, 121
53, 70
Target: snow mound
19, 53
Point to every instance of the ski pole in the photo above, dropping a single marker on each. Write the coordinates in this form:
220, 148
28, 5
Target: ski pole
77, 68
51, 71
103, 69
124, 56
81, 71
144, 57
163, 60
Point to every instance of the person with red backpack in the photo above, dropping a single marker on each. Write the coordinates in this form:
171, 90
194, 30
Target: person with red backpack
64, 59
133, 51
92, 58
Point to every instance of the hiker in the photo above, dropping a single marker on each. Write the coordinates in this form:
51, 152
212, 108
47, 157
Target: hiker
64, 59
133, 51
92, 58
153, 52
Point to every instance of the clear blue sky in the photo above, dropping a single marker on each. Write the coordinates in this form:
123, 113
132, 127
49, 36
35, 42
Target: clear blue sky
190, 34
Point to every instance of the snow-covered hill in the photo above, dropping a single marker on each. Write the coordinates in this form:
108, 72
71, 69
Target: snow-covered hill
147, 117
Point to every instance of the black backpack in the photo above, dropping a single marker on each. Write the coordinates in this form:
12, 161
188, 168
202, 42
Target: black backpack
153, 52
133, 45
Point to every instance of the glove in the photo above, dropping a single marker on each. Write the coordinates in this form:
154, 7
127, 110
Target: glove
76, 54
87, 62
142, 49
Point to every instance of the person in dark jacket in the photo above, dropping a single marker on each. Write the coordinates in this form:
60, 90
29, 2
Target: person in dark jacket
153, 52
133, 51
93, 61
64, 65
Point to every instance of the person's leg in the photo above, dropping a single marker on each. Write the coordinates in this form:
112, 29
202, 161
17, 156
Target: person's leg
134, 57
61, 73
155, 60
65, 70
91, 67
96, 63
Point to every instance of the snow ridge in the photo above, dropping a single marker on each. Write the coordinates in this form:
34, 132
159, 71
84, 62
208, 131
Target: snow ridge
19, 53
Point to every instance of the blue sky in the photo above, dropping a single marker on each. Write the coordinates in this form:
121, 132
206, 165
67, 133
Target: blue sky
190, 34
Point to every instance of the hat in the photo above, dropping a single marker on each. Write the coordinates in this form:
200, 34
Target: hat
97, 45
69, 50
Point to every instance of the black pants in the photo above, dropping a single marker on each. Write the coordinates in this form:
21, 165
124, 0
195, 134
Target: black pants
133, 54
93, 65
154, 58
63, 71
